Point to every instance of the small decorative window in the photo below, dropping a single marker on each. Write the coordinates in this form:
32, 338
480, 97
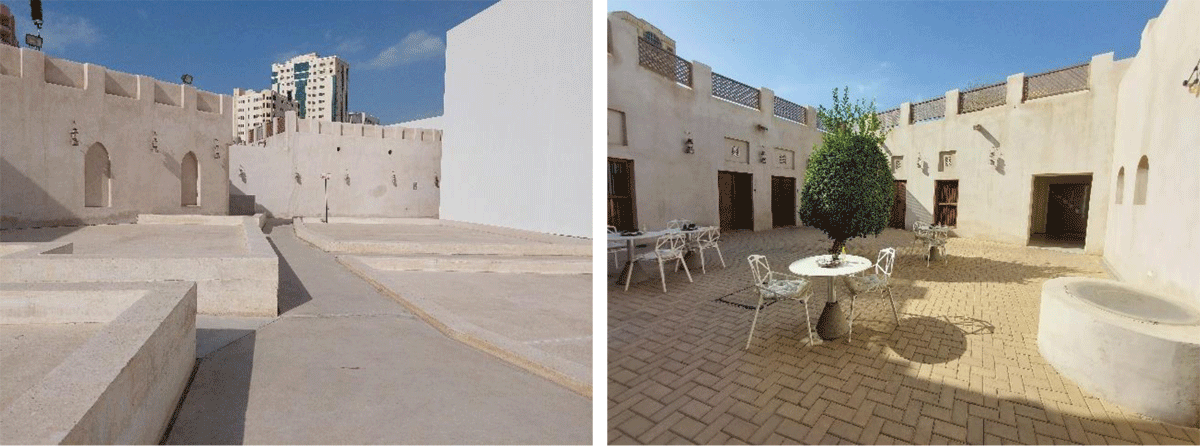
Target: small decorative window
653, 39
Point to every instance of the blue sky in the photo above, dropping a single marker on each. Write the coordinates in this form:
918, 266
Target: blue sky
894, 52
396, 50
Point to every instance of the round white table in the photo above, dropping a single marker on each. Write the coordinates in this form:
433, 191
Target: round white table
832, 324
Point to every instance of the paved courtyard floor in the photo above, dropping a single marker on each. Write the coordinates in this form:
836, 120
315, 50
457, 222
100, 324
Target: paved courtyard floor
962, 365
344, 364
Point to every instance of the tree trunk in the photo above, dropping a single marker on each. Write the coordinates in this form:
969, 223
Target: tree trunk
836, 250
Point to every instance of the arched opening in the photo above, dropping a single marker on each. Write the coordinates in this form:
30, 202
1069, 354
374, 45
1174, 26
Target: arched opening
97, 177
189, 177
1139, 182
1120, 185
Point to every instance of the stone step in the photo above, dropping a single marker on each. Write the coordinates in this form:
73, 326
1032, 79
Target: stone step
480, 263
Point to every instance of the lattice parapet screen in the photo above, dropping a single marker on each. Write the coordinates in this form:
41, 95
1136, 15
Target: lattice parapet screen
889, 118
982, 97
929, 110
664, 62
734, 91
790, 110
1062, 80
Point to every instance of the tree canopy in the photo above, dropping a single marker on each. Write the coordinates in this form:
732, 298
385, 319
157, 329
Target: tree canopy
848, 186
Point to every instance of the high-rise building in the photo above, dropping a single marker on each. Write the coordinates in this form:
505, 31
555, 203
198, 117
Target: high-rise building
362, 118
254, 108
317, 84
8, 26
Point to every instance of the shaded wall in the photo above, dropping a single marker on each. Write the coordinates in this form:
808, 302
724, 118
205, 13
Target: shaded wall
42, 172
518, 118
1157, 244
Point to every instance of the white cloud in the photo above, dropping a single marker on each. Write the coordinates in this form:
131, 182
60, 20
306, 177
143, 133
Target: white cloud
416, 46
350, 46
63, 31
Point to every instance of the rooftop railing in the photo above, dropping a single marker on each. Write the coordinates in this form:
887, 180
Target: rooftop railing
928, 110
982, 97
1055, 82
664, 62
734, 91
790, 111
889, 118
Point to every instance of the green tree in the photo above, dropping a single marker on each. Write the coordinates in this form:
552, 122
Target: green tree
848, 185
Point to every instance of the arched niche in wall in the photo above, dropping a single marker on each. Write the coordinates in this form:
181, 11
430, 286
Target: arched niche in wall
189, 178
97, 177
1120, 192
1139, 182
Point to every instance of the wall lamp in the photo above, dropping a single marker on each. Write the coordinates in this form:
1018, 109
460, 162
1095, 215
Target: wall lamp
1192, 83
216, 149
760, 127
74, 134
762, 156
689, 146
153, 141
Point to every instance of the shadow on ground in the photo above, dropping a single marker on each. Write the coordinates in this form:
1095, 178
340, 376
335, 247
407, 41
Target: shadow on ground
213, 410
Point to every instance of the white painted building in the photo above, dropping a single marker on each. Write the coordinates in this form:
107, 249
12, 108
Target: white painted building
258, 108
317, 84
518, 118
685, 142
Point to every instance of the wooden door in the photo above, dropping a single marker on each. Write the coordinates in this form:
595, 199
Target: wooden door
899, 205
783, 201
621, 210
946, 203
736, 200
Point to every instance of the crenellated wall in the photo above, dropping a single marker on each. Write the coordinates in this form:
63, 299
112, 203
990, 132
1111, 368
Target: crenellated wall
376, 171
54, 111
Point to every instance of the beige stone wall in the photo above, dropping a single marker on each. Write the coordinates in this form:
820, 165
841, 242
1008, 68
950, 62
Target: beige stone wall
1157, 244
393, 171
660, 115
42, 171
1066, 134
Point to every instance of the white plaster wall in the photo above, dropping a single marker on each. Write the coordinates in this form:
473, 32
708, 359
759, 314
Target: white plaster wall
41, 173
661, 114
1064, 134
518, 118
310, 148
1156, 244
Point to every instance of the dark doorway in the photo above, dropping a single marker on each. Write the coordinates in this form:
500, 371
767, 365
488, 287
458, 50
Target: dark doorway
783, 201
1060, 210
945, 201
899, 205
621, 211
737, 200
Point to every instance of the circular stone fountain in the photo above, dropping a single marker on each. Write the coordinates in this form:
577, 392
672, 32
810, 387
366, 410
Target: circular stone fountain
1125, 344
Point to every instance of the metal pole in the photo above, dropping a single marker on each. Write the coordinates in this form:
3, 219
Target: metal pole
326, 200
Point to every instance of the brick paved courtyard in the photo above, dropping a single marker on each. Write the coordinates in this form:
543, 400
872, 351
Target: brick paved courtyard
962, 365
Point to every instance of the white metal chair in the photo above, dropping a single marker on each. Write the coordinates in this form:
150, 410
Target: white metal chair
668, 247
615, 248
678, 224
878, 282
707, 238
777, 285
925, 237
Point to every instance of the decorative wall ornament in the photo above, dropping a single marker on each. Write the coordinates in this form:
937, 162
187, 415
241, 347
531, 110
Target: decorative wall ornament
395, 183
296, 175
154, 141
689, 146
74, 134
762, 156
216, 149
